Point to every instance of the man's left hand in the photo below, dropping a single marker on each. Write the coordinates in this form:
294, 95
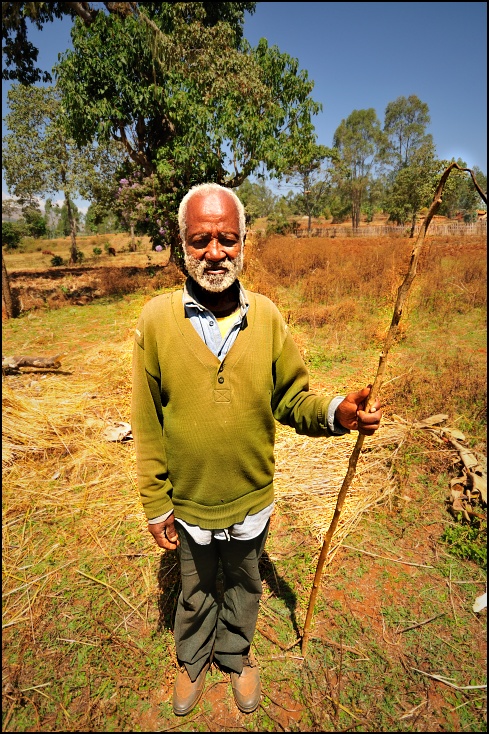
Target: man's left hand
351, 413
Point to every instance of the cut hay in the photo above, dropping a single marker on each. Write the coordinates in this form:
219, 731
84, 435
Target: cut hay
310, 471
62, 478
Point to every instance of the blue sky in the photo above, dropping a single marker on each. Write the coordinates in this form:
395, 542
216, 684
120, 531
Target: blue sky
365, 54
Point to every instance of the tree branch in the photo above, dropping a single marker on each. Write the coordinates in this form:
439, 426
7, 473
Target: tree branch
84, 11
136, 156
474, 180
402, 294
12, 364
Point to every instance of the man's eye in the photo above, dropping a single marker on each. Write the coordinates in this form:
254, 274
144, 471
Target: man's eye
228, 239
223, 240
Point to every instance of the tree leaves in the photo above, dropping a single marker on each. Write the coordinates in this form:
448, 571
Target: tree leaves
186, 95
358, 141
405, 123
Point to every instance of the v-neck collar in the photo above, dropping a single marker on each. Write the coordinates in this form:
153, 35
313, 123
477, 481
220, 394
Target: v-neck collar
198, 346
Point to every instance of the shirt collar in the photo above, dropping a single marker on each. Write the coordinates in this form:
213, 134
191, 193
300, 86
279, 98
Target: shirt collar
189, 298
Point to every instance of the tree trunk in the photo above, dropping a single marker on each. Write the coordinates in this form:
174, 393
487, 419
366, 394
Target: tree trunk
176, 255
132, 246
176, 248
402, 294
413, 225
71, 219
8, 304
355, 215
355, 209
10, 365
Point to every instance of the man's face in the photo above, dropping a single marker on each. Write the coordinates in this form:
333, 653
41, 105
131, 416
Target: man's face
213, 251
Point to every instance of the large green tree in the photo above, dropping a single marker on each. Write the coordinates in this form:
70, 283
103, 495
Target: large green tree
411, 187
35, 221
358, 141
410, 151
187, 96
257, 198
39, 157
405, 123
309, 177
99, 220
462, 198
67, 212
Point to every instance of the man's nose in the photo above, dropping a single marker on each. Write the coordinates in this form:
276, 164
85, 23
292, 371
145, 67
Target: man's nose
214, 250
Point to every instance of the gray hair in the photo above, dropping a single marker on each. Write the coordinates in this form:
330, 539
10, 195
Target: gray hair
206, 188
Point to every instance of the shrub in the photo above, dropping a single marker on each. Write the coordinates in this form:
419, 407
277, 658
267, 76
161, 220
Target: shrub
97, 251
56, 261
335, 314
12, 233
117, 283
35, 223
280, 226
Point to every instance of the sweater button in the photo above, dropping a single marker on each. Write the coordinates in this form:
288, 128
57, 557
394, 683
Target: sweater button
220, 380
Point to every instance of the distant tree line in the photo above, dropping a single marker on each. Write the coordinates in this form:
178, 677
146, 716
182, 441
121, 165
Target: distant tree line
390, 168
157, 97
25, 219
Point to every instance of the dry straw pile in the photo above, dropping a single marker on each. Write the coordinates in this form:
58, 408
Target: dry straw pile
310, 472
59, 470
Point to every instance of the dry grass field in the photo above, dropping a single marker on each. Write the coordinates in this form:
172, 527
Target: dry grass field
88, 598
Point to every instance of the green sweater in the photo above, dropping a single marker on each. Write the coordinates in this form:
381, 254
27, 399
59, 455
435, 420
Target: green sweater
204, 430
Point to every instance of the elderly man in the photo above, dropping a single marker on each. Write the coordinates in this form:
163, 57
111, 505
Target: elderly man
214, 367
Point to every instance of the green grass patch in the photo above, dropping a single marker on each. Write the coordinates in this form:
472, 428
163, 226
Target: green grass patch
467, 542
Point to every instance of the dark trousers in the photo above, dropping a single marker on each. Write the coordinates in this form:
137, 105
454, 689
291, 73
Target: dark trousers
201, 622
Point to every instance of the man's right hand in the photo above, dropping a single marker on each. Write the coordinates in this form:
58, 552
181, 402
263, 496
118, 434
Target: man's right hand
164, 533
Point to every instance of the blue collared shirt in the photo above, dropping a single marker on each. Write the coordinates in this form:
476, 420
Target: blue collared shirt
205, 322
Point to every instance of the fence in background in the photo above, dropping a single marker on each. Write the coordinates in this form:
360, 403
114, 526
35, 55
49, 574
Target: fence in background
450, 228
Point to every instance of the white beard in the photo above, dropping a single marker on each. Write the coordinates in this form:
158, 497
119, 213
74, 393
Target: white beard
214, 282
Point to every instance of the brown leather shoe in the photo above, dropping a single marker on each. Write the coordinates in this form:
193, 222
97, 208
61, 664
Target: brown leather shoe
186, 694
246, 686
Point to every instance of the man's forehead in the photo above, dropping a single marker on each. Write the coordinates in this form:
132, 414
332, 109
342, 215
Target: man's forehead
212, 203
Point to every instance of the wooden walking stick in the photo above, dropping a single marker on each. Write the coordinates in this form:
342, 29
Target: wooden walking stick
400, 300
